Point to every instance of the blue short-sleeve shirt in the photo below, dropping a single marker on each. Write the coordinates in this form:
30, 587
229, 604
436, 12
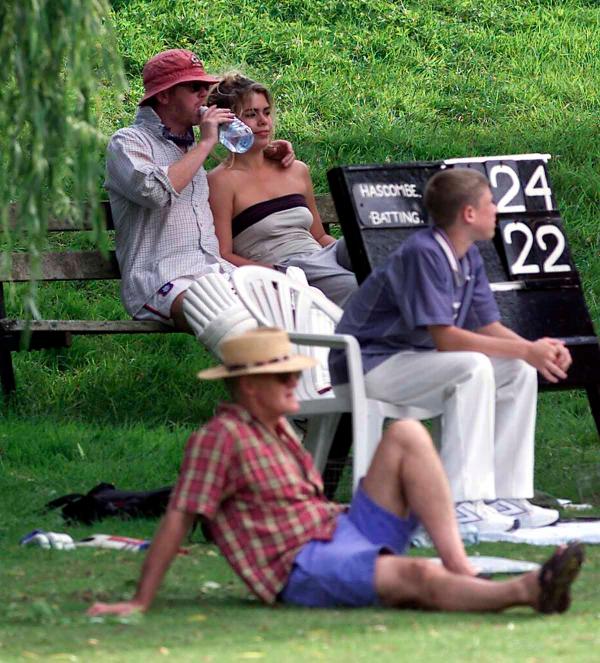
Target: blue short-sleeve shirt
421, 284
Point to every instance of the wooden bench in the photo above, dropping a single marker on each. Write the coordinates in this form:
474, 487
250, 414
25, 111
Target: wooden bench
76, 266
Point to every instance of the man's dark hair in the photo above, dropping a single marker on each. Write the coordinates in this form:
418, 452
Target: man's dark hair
448, 191
152, 102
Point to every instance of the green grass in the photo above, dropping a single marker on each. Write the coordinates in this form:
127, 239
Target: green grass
355, 81
43, 594
189, 624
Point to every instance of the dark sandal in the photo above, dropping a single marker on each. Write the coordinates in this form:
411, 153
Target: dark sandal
556, 577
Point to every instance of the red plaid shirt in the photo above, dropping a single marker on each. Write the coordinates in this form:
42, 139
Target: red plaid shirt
261, 493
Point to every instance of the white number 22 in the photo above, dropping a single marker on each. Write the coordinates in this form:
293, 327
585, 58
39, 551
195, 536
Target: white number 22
550, 264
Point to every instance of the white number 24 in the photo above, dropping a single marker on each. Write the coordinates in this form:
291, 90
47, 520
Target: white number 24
550, 264
536, 186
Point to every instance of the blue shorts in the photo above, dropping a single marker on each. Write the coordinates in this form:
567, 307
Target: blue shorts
341, 572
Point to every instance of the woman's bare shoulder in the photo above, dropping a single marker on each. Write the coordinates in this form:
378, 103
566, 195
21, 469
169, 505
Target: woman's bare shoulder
296, 168
300, 167
222, 178
217, 173
297, 172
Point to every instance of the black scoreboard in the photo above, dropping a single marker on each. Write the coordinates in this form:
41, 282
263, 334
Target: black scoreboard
528, 263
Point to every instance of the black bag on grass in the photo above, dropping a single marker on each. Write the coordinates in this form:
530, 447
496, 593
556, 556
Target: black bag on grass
105, 500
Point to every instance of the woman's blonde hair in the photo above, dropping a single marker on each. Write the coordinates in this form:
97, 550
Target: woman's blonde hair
233, 90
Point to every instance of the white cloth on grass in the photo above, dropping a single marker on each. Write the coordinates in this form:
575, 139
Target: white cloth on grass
486, 564
554, 535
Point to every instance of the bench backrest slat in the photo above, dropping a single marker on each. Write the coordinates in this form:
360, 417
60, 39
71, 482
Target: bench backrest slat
324, 204
67, 266
90, 265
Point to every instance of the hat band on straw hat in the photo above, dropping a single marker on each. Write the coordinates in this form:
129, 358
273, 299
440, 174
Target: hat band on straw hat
263, 350
256, 364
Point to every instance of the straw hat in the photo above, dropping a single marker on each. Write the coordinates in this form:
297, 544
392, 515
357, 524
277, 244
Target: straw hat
265, 350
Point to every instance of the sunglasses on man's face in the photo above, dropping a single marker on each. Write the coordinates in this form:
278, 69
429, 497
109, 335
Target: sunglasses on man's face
195, 86
285, 378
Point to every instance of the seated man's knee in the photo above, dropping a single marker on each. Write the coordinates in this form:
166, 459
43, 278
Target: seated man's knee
406, 436
345, 286
178, 316
516, 372
342, 255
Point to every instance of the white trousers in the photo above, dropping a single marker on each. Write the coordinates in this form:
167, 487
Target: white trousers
488, 409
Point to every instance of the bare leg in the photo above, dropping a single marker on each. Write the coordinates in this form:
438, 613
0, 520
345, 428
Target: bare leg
401, 581
407, 474
178, 316
405, 581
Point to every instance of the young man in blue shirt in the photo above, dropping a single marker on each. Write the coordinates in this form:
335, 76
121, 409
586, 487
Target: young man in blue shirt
431, 337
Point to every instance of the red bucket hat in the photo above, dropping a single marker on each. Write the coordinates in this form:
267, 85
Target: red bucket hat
170, 68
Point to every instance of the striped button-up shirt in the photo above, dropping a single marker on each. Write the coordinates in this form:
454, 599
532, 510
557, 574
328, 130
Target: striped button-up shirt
160, 234
261, 493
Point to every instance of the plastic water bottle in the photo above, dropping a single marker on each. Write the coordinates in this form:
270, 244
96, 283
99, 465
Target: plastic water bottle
235, 136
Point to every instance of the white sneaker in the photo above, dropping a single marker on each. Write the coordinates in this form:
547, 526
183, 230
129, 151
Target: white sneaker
483, 517
528, 514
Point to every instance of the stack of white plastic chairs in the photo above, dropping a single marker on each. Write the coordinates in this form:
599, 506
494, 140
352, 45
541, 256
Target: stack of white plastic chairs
315, 320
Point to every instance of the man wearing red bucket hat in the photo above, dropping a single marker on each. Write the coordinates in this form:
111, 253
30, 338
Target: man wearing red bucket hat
158, 190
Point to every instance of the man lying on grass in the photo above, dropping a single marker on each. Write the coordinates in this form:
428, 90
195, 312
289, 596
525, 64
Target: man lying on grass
247, 475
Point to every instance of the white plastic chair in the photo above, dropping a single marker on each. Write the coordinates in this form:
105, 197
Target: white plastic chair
310, 319
214, 311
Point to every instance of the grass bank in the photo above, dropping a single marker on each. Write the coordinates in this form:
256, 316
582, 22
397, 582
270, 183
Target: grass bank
354, 82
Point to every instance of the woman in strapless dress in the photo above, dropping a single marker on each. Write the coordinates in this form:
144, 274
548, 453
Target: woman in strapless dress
265, 214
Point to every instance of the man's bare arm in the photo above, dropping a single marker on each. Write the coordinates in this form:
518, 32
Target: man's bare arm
562, 356
549, 356
165, 545
498, 330
183, 171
